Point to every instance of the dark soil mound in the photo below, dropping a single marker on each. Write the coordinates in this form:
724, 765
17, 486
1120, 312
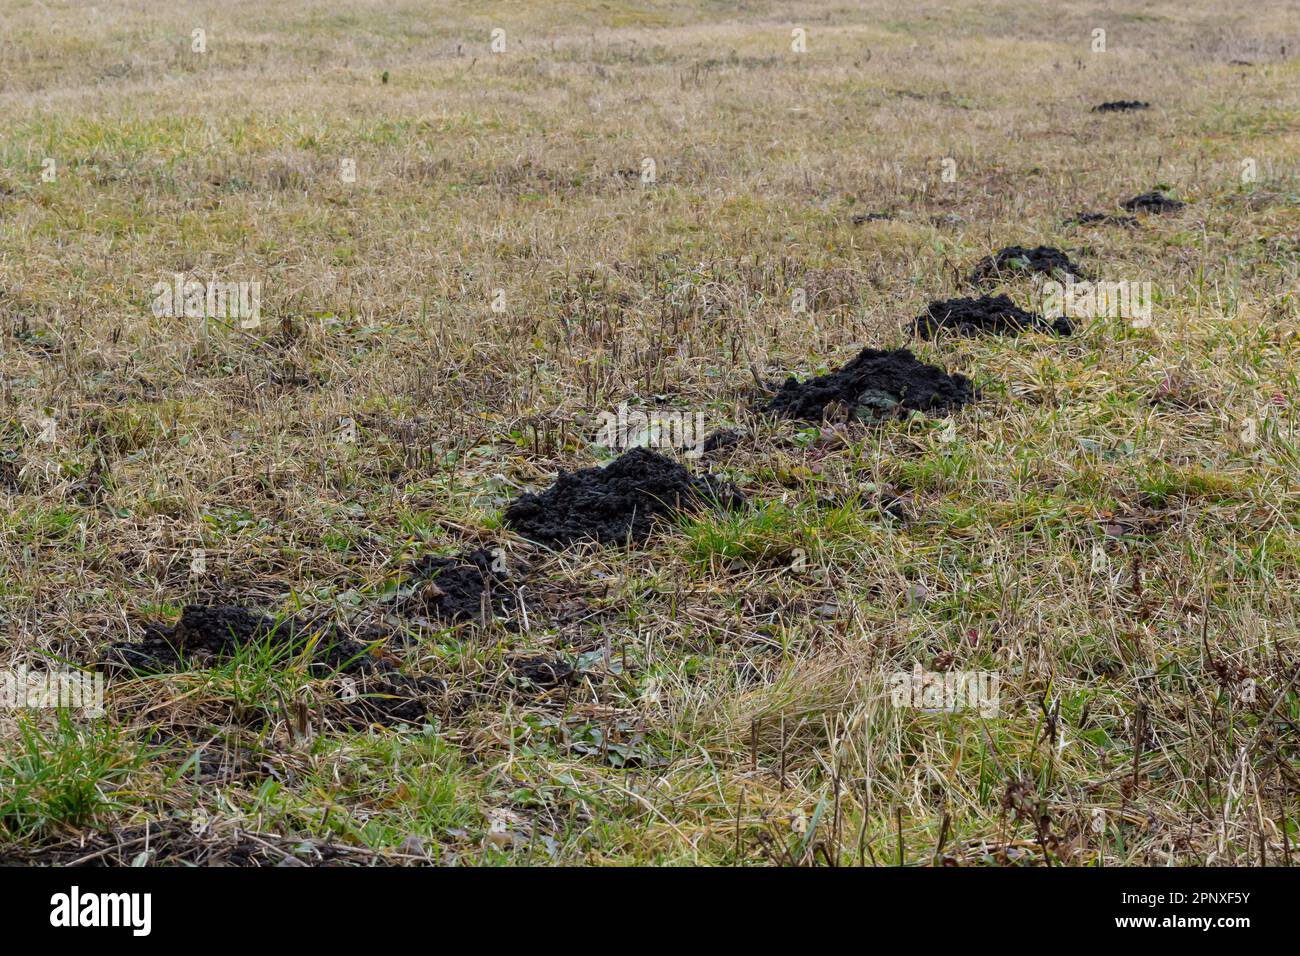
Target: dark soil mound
389, 698
542, 671
1154, 201
212, 634
10, 469
616, 503
722, 438
987, 315
460, 588
1021, 261
877, 384
1101, 219
1121, 106
376, 692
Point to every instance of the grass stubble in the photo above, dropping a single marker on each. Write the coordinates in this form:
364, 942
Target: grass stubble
1111, 527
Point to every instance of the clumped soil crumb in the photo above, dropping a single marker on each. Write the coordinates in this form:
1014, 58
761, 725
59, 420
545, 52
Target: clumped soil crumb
1022, 261
876, 384
616, 503
987, 315
1154, 201
1121, 106
459, 588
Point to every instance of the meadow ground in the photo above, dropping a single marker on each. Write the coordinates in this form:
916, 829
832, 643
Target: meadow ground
465, 256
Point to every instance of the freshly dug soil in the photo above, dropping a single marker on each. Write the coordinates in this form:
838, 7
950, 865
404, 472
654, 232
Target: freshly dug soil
378, 693
722, 438
10, 469
458, 588
1021, 261
209, 634
987, 315
875, 385
1121, 106
617, 503
389, 698
542, 671
1101, 219
1154, 201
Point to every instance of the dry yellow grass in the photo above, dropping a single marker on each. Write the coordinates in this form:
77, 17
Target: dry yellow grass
1112, 528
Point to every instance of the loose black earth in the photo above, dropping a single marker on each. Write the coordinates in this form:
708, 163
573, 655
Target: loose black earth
207, 635
987, 315
1021, 261
617, 503
450, 589
466, 587
542, 671
1101, 219
388, 697
211, 634
875, 385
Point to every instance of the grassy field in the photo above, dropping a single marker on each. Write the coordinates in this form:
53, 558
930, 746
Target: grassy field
465, 256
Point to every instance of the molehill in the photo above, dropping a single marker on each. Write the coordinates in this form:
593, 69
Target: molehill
987, 315
1121, 106
875, 385
1154, 201
1084, 218
1016, 261
619, 502
211, 634
458, 588
205, 635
